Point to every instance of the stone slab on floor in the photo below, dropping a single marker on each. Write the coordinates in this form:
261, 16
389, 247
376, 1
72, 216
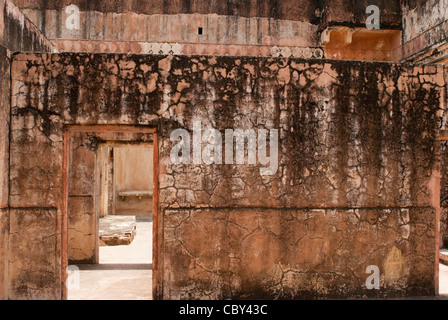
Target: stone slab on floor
117, 230
443, 256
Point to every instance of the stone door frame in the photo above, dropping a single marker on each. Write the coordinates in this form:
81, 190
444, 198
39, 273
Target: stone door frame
68, 131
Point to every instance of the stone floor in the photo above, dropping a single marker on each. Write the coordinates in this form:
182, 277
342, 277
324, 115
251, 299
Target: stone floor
124, 272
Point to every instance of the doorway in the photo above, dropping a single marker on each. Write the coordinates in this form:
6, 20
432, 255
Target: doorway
111, 193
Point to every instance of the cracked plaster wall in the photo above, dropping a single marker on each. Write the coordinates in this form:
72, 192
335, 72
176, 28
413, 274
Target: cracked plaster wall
34, 260
4, 165
281, 9
421, 18
353, 13
250, 27
425, 27
82, 220
356, 184
17, 33
444, 192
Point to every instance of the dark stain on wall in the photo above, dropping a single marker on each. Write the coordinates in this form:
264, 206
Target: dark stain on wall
351, 13
355, 181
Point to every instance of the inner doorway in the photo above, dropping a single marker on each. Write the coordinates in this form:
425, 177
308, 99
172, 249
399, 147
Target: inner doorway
126, 180
125, 197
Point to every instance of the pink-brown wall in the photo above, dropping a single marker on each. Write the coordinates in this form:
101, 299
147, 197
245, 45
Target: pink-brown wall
357, 182
17, 33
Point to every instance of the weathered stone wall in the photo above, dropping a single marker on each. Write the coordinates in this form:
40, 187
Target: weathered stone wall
133, 27
422, 17
34, 258
82, 218
4, 165
357, 182
5, 97
18, 33
443, 193
4, 239
248, 28
443, 240
175, 28
425, 25
282, 9
353, 13
298, 234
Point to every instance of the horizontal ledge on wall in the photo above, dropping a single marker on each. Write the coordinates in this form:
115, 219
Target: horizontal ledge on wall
294, 208
110, 128
189, 48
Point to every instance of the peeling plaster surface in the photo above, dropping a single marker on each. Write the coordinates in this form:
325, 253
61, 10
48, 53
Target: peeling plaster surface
425, 25
422, 18
34, 260
443, 192
17, 33
295, 253
358, 152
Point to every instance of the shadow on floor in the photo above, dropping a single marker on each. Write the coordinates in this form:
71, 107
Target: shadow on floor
116, 266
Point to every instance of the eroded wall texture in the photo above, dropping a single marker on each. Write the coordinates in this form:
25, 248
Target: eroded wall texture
443, 193
425, 25
4, 165
130, 26
444, 179
17, 33
249, 28
336, 11
356, 183
82, 216
353, 13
